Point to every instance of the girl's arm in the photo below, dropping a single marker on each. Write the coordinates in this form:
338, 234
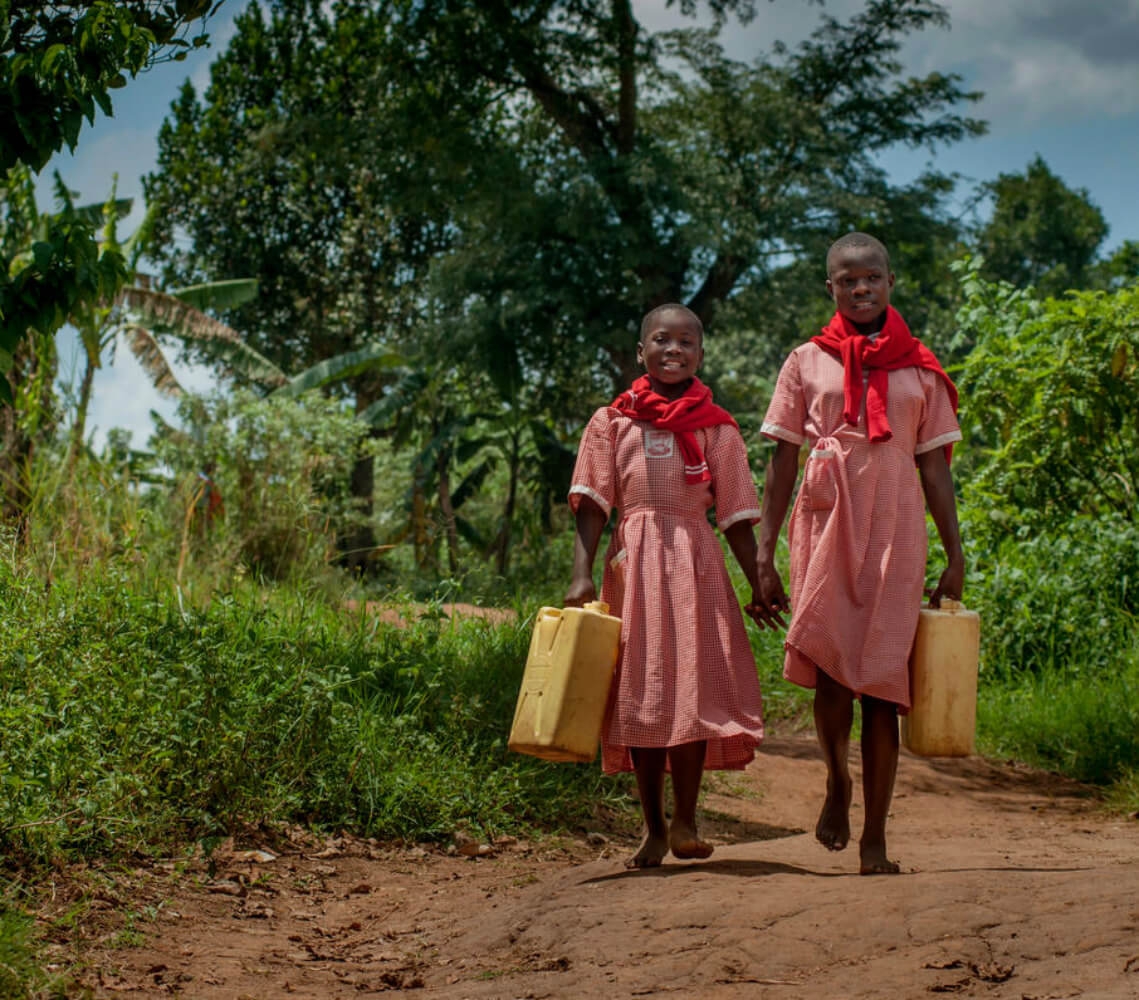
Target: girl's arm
778, 485
937, 484
591, 520
741, 537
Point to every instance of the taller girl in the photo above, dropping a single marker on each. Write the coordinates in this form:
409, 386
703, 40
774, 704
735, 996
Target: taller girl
871, 401
686, 696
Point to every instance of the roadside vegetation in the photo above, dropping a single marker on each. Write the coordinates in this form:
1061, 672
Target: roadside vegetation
415, 268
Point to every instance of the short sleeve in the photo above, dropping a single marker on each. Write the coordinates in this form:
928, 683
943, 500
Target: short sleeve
938, 426
594, 472
732, 484
786, 417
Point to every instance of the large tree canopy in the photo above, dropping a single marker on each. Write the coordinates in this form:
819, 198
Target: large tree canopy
1041, 232
556, 167
651, 167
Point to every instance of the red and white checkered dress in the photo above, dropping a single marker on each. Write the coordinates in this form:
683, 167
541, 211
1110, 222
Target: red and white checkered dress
857, 533
686, 670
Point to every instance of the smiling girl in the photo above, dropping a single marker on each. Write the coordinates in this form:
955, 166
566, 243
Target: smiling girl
871, 402
685, 696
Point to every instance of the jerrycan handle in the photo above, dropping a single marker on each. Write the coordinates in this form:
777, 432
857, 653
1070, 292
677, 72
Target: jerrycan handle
599, 606
949, 604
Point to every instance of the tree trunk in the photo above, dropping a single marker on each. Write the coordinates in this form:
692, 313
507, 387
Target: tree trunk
79, 428
442, 468
358, 544
421, 536
504, 536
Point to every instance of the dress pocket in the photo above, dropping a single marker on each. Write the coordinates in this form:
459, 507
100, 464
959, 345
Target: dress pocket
820, 487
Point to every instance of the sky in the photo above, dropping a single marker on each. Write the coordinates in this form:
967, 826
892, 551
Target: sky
1060, 79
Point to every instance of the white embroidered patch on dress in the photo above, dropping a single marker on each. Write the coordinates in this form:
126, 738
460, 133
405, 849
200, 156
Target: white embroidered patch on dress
658, 443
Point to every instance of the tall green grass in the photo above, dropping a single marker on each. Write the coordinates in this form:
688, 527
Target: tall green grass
1080, 724
131, 720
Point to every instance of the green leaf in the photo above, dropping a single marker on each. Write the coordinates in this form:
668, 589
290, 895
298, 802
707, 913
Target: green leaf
374, 357
218, 295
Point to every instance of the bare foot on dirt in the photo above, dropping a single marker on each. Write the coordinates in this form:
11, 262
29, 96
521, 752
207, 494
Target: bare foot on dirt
650, 854
833, 828
686, 843
875, 862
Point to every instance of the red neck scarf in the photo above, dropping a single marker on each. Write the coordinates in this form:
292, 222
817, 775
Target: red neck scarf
682, 416
895, 347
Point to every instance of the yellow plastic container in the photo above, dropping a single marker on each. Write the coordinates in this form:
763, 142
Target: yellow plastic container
943, 682
566, 683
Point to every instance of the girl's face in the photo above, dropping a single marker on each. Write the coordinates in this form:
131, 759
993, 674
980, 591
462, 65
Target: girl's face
860, 282
672, 351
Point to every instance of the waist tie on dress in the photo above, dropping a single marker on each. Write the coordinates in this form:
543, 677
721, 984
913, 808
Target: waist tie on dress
828, 514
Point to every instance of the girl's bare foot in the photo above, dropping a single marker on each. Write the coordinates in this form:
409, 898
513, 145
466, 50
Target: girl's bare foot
650, 854
833, 828
875, 862
686, 843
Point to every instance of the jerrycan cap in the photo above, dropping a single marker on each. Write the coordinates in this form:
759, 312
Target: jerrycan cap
599, 606
951, 605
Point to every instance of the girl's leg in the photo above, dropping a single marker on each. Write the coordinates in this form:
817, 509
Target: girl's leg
687, 762
834, 715
648, 764
879, 767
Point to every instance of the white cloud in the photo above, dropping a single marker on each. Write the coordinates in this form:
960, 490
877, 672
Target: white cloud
122, 394
1040, 62
221, 31
1037, 61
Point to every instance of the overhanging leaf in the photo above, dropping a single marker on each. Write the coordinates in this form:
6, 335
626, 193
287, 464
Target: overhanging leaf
218, 295
374, 357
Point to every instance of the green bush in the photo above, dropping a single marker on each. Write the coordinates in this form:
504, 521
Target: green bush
1083, 725
1062, 600
130, 719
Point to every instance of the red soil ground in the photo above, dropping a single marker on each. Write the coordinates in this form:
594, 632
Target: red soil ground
1014, 885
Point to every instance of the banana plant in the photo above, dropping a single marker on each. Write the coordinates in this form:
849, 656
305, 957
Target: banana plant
140, 315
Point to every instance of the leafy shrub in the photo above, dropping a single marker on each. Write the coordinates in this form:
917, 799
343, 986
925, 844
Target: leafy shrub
284, 469
1050, 405
1086, 726
1063, 600
130, 719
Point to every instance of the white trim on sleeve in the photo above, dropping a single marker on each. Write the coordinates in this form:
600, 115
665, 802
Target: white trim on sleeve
740, 515
938, 442
593, 495
775, 431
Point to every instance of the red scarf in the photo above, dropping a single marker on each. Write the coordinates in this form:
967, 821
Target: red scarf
895, 347
682, 416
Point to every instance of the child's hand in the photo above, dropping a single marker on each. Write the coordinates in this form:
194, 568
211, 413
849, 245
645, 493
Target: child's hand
950, 585
580, 593
768, 599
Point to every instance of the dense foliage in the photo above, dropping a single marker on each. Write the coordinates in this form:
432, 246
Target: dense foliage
59, 63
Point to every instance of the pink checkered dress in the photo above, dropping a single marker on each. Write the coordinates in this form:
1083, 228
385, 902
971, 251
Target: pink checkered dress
857, 533
686, 670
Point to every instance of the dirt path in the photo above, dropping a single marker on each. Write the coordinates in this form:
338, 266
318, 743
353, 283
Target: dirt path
1014, 886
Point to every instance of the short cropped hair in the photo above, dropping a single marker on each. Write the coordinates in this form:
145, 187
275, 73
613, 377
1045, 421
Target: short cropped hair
857, 240
667, 308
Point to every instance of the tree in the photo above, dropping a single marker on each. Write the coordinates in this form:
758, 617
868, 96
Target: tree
508, 187
303, 174
1051, 394
59, 63
634, 169
143, 315
1041, 232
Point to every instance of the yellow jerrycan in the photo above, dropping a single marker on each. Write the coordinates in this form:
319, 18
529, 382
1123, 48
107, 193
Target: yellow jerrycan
943, 682
566, 683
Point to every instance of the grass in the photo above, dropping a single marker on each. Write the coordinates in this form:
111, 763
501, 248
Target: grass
131, 720
1085, 725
